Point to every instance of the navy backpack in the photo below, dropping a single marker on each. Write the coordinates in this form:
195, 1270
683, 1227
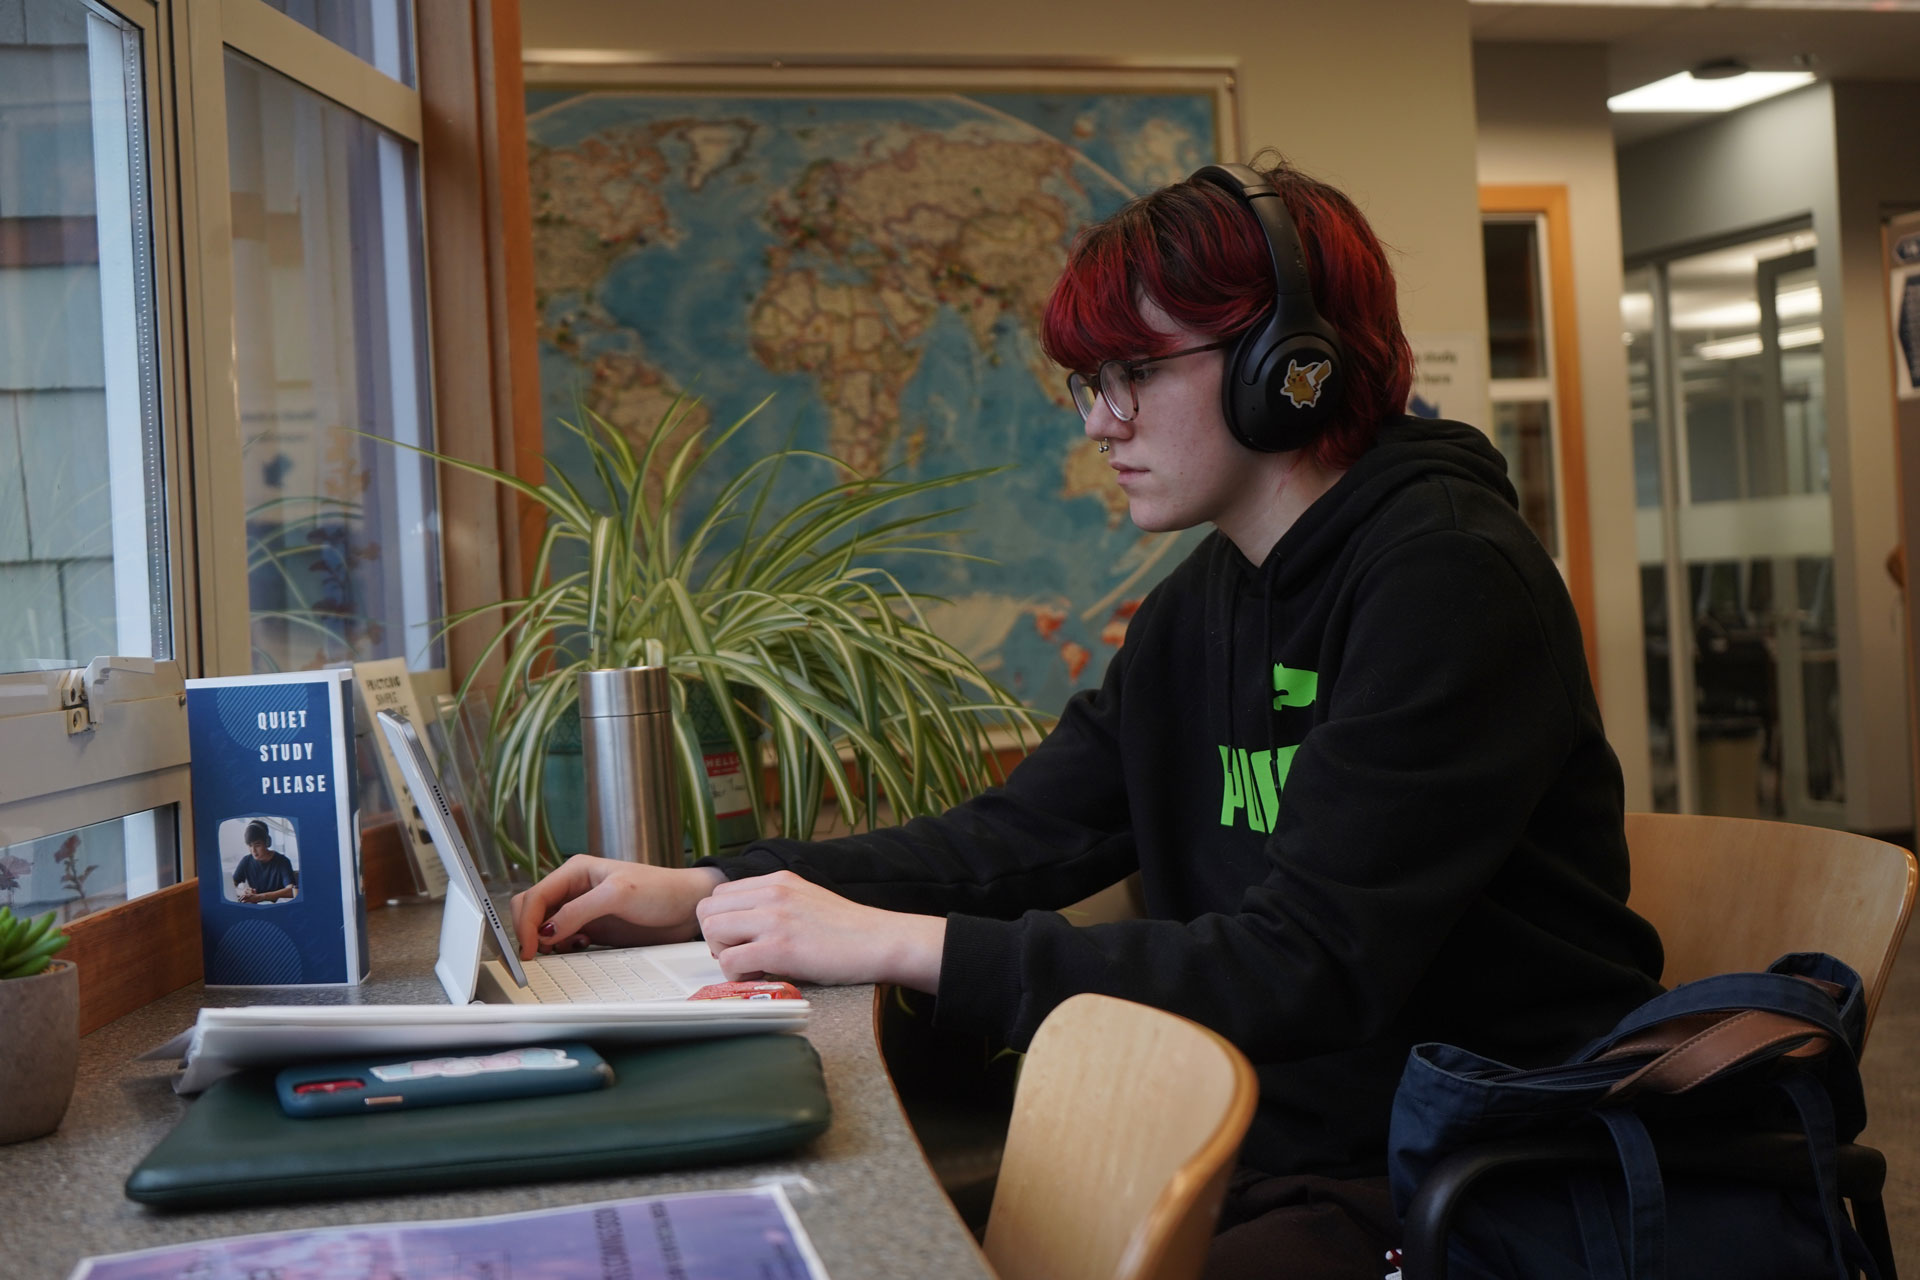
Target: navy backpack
1736, 1058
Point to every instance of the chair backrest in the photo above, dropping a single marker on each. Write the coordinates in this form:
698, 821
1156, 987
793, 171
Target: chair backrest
1730, 894
1125, 1126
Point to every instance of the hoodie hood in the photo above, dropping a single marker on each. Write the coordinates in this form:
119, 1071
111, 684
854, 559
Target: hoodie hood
1408, 450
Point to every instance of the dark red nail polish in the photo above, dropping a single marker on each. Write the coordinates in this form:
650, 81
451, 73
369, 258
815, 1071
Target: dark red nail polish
546, 930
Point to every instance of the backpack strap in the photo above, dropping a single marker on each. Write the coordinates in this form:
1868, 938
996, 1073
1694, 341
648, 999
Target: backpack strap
1792, 995
1848, 1251
1646, 1205
1726, 1042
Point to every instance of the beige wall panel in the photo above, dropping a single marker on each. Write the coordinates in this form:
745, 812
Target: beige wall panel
1543, 119
1373, 95
1877, 156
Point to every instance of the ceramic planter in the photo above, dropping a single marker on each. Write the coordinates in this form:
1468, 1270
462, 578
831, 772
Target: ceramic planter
39, 1049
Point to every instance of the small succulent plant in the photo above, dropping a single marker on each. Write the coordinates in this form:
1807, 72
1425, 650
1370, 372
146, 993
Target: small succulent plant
27, 946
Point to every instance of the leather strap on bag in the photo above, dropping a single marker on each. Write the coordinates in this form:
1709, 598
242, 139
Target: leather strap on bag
1725, 1042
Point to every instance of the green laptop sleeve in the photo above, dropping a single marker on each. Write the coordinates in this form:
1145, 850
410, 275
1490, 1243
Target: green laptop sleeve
670, 1106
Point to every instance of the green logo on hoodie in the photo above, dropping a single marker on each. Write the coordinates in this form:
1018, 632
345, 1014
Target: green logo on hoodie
1251, 781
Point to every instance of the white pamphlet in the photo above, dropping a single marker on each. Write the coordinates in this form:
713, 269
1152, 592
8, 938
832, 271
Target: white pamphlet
223, 1041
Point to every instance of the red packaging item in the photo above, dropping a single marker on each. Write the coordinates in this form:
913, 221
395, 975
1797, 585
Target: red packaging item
747, 991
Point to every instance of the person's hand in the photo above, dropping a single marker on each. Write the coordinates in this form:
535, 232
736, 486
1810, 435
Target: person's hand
784, 924
248, 895
620, 904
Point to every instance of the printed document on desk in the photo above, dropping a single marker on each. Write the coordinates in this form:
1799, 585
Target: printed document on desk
223, 1041
751, 1234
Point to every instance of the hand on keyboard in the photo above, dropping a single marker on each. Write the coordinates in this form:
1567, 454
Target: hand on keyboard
782, 923
618, 904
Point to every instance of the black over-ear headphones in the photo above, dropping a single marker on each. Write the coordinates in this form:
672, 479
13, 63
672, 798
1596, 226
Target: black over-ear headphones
1285, 375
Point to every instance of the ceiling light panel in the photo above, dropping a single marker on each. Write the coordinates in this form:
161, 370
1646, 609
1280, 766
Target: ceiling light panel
1686, 92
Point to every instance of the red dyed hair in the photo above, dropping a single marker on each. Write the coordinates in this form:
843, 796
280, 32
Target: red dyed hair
1203, 259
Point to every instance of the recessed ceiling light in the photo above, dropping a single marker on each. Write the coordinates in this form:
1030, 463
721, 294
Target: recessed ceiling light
1716, 91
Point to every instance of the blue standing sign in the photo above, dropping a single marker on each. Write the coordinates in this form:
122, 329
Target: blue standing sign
275, 829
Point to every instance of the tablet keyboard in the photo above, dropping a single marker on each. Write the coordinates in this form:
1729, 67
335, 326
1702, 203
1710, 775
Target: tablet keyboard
596, 976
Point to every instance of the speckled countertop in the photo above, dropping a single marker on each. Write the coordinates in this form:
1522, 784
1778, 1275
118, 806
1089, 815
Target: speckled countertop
869, 1201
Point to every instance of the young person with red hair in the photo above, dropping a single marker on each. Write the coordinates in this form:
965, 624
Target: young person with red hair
1350, 744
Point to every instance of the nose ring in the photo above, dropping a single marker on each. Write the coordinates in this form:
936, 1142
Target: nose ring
1106, 445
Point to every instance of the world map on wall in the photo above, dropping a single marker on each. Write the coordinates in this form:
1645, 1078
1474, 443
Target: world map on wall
877, 263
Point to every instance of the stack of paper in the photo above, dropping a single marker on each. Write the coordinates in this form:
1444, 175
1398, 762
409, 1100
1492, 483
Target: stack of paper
223, 1041
727, 1235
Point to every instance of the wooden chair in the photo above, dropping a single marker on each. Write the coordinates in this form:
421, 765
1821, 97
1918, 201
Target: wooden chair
1727, 895
1125, 1126
1731, 894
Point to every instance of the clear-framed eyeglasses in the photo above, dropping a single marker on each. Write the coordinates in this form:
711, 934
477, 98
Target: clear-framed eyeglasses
1115, 380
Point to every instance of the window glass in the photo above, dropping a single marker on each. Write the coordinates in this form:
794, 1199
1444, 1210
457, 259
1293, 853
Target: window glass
83, 556
342, 527
1754, 525
79, 872
1747, 433
1516, 346
1523, 431
376, 31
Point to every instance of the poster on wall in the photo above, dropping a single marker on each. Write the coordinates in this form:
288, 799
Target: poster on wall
1450, 377
1903, 294
871, 247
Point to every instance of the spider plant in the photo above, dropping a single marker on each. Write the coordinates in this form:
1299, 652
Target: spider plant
788, 618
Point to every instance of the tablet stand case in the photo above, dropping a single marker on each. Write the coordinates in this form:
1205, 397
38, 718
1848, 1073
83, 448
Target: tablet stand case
670, 1107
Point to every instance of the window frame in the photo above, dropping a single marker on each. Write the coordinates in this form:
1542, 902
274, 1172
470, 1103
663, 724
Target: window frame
135, 758
57, 782
468, 96
1548, 203
284, 46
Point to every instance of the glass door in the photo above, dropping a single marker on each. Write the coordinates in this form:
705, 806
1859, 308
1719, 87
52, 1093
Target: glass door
1736, 531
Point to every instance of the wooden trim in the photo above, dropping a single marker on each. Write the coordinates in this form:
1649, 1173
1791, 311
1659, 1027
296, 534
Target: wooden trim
135, 953
1550, 201
485, 350
515, 340
384, 870
454, 186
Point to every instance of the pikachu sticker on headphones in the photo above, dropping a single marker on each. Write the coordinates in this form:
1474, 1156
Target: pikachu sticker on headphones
1302, 385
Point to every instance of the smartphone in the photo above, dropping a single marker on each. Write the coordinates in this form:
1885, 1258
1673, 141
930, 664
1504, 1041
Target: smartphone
390, 1084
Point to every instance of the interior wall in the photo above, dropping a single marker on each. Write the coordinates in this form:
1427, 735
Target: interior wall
1773, 161
1877, 157
1768, 163
1375, 96
1543, 120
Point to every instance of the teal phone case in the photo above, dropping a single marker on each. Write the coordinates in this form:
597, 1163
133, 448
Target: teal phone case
401, 1082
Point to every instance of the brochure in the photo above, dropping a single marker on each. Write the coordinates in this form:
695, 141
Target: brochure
385, 685
750, 1234
276, 836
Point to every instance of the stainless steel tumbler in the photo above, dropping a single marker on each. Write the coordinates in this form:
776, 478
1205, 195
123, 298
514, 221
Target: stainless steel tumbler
626, 737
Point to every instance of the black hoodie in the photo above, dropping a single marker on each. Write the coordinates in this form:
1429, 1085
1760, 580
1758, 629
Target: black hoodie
1367, 792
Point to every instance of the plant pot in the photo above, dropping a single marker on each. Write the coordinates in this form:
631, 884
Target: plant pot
39, 1050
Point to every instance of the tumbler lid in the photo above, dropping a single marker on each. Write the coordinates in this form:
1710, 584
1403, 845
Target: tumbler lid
625, 691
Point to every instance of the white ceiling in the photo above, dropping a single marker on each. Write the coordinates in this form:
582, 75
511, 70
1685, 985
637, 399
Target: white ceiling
1844, 41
